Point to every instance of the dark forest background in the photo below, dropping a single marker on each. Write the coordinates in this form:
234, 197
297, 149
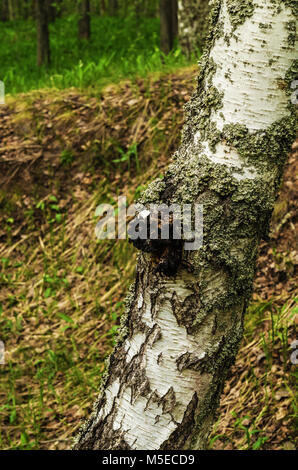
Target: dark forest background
86, 43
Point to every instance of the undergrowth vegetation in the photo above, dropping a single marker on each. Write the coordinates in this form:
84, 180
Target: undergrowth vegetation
62, 290
120, 47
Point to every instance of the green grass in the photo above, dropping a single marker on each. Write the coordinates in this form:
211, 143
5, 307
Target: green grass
30, 382
266, 384
119, 48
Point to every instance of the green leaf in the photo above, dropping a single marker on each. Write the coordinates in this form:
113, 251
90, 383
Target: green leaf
65, 317
48, 293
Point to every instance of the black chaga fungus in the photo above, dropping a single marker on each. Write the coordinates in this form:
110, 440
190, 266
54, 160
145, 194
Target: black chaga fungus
167, 251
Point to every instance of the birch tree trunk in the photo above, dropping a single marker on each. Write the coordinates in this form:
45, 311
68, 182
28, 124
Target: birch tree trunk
182, 331
193, 21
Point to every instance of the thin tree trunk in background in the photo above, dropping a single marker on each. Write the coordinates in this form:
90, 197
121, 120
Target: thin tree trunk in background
84, 20
174, 19
99, 8
4, 13
27, 9
193, 16
11, 10
168, 24
140, 8
32, 8
54, 10
43, 41
51, 12
182, 330
113, 7
102, 7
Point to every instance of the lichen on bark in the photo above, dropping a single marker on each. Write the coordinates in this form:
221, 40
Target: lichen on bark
239, 11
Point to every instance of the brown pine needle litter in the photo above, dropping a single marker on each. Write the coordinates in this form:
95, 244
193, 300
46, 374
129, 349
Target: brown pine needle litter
61, 154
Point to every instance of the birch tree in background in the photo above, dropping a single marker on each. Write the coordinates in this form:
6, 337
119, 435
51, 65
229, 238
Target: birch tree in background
193, 20
182, 330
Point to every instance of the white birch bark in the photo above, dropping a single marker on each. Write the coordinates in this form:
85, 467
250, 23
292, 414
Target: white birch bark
182, 331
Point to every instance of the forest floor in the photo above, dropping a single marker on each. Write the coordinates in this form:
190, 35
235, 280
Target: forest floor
61, 154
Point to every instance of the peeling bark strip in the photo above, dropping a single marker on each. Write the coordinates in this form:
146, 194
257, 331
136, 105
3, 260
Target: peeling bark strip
182, 332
